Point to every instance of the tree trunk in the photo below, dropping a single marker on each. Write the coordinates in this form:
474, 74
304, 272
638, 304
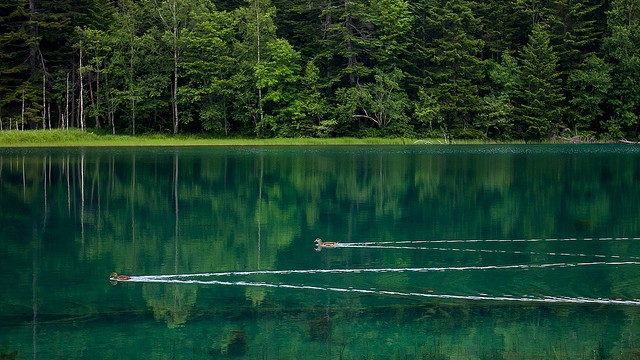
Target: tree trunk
175, 91
65, 122
93, 103
22, 113
73, 120
176, 118
44, 101
80, 71
131, 90
260, 110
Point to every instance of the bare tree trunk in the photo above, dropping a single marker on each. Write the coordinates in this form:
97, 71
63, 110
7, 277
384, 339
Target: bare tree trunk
22, 113
351, 61
73, 119
97, 99
44, 101
80, 71
175, 92
110, 111
131, 90
65, 123
260, 110
93, 103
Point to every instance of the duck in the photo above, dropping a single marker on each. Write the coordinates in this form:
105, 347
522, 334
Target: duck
115, 277
325, 244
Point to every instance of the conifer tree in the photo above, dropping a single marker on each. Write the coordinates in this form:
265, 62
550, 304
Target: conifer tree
623, 50
576, 31
458, 70
347, 41
589, 86
499, 105
540, 99
31, 42
393, 27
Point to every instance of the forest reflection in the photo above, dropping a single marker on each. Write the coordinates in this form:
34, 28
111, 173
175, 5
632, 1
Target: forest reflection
153, 212
218, 195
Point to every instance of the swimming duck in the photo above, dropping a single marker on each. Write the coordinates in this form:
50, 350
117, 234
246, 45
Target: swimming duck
115, 277
325, 244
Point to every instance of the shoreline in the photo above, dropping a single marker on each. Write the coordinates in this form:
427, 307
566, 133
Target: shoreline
78, 138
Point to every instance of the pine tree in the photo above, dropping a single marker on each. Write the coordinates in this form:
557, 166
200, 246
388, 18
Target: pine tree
623, 50
576, 32
347, 42
458, 70
540, 99
502, 28
589, 86
14, 50
499, 105
31, 43
393, 28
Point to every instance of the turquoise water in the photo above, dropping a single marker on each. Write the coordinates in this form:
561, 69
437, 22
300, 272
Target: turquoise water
445, 252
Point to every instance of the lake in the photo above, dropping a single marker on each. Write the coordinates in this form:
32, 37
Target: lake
444, 252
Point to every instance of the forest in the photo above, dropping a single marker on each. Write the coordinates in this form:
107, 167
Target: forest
459, 69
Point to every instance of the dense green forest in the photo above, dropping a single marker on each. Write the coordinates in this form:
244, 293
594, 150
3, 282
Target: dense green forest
514, 69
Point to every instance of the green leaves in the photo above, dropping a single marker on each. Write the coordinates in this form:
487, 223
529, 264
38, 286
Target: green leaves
279, 76
522, 69
381, 102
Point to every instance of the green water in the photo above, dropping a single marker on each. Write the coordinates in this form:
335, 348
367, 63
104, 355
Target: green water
471, 252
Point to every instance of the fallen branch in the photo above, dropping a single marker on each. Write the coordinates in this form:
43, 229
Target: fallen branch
574, 139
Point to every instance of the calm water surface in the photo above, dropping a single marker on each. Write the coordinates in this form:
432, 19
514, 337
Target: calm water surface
471, 252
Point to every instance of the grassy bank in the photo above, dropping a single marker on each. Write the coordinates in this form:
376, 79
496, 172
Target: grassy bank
74, 137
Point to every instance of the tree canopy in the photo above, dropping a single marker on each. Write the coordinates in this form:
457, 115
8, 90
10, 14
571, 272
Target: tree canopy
285, 68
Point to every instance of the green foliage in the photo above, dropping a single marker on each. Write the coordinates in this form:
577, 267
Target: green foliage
394, 26
382, 103
455, 51
623, 48
427, 110
499, 107
590, 85
540, 98
577, 31
287, 68
207, 90
279, 76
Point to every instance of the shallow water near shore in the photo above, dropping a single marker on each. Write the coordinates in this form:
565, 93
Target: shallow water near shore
444, 252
